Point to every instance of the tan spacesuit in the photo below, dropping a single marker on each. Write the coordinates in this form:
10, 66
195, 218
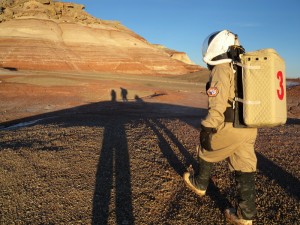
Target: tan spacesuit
237, 144
219, 140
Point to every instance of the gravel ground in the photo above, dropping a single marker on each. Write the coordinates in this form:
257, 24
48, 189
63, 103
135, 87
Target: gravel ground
77, 158
86, 166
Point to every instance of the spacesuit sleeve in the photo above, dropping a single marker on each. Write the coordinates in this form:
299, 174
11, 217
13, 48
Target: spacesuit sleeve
218, 94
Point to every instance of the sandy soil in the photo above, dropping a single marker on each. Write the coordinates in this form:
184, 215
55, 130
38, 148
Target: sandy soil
81, 158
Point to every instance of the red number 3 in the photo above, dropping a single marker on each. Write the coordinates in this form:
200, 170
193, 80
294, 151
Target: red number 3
280, 92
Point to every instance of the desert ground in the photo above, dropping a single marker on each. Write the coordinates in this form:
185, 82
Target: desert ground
73, 152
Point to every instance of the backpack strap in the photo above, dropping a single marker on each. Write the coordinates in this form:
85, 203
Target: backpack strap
247, 66
238, 93
248, 102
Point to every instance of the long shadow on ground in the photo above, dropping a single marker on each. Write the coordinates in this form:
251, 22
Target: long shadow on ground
113, 172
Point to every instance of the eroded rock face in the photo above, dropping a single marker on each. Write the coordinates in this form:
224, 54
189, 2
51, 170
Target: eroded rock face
50, 35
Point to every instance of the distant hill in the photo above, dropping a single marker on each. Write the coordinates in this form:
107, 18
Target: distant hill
52, 35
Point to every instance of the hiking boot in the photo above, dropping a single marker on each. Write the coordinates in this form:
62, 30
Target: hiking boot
246, 193
233, 218
198, 182
191, 183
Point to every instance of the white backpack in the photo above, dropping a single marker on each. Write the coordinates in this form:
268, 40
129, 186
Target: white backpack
260, 90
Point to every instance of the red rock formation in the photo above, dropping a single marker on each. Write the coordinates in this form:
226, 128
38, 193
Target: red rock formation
48, 35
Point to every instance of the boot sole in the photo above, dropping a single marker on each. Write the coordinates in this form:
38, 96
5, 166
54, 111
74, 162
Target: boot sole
231, 218
186, 179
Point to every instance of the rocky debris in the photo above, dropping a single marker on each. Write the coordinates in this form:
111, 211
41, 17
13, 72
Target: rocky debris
90, 160
51, 35
118, 169
293, 101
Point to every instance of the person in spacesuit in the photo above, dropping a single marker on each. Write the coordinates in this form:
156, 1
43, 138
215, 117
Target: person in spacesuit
219, 139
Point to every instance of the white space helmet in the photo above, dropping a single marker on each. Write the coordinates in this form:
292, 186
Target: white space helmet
216, 45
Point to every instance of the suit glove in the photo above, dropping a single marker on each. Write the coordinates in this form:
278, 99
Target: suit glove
205, 137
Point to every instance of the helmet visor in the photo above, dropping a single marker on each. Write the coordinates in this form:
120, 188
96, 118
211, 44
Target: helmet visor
207, 42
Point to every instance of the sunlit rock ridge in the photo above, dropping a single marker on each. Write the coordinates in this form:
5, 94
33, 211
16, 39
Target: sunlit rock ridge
57, 36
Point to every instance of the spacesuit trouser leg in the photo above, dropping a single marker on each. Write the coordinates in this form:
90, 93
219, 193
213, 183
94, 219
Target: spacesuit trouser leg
235, 144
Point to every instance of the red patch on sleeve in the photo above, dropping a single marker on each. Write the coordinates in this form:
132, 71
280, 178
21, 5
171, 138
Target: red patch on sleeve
212, 92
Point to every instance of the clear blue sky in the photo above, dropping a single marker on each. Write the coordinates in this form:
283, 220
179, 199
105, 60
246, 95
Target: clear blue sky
184, 24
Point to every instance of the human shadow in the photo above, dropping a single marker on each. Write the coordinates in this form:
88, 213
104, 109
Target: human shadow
274, 172
113, 95
113, 176
124, 94
113, 171
138, 99
113, 185
180, 167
